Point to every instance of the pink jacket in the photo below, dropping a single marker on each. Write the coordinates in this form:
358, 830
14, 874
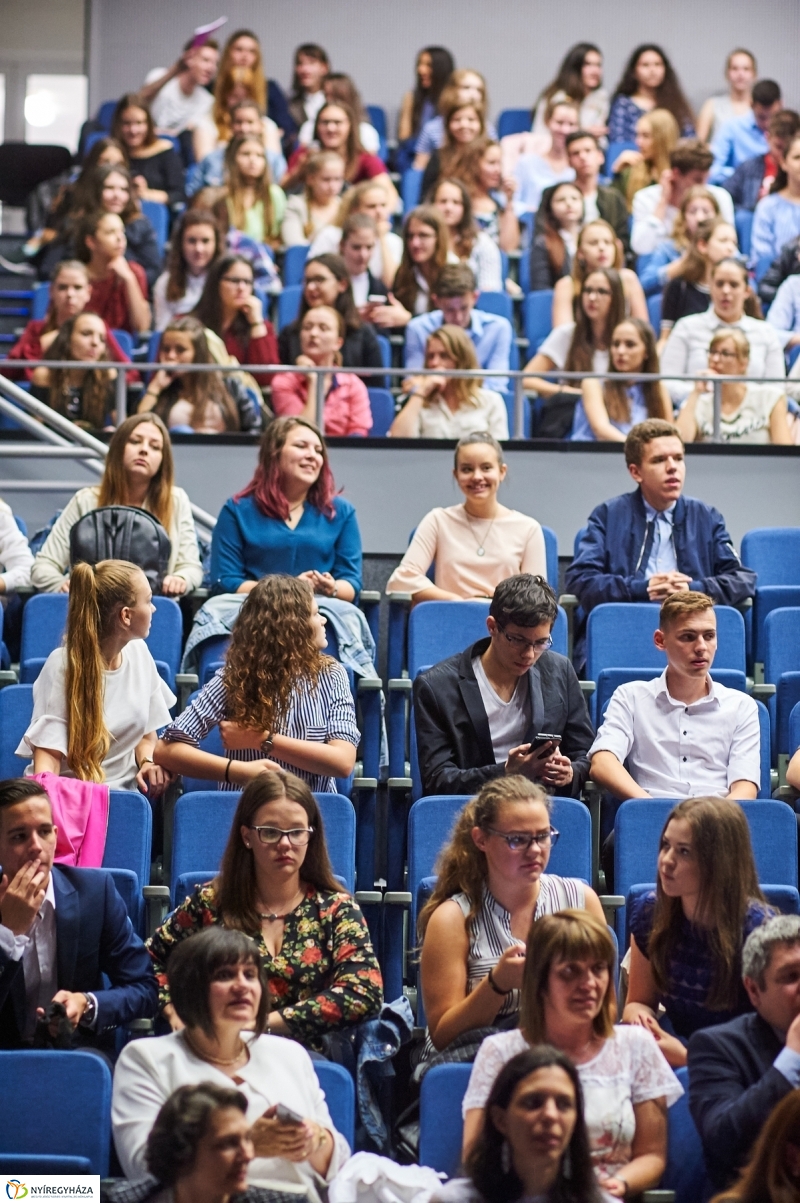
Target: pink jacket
347, 409
80, 812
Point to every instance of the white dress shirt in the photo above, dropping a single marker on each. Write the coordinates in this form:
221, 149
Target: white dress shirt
687, 349
37, 951
648, 230
677, 751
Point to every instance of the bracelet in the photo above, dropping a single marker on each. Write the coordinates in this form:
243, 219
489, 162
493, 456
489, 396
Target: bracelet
228, 769
335, 589
142, 763
494, 985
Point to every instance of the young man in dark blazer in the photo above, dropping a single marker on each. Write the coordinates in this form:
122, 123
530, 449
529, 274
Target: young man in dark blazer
478, 714
61, 929
739, 1071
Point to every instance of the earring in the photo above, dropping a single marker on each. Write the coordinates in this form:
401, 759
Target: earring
247, 846
505, 1157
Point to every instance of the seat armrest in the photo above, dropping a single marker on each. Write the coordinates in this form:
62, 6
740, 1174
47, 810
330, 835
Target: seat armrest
612, 902
763, 690
588, 687
399, 685
157, 901
397, 898
7, 677
370, 596
367, 897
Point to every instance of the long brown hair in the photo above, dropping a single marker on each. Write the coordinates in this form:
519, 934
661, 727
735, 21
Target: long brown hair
272, 652
94, 191
461, 866
579, 268
132, 100
680, 235
94, 386
406, 287
96, 596
265, 485
461, 349
728, 885
73, 265
665, 132
454, 156
781, 180
235, 885
200, 389
554, 243
229, 76
668, 96
569, 935
615, 392
582, 348
353, 148
235, 185
464, 235
114, 487
176, 263
694, 269
766, 1177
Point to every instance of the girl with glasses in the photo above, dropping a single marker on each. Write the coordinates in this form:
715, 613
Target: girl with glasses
491, 886
233, 311
276, 884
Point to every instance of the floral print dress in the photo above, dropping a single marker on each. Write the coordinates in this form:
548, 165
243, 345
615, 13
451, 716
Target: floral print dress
325, 977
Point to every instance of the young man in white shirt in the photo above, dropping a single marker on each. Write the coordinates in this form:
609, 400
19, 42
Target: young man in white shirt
179, 97
655, 208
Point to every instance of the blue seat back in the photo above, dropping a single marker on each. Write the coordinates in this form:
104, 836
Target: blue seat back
613, 152
439, 629
763, 264
654, 312
744, 229
609, 679
381, 402
129, 845
42, 1163
289, 304
620, 635
385, 349
40, 302
340, 1095
124, 342
782, 668
496, 302
440, 1124
686, 1172
537, 318
159, 219
294, 260
377, 119
32, 1123
411, 189
794, 728
513, 121
551, 553
105, 115
16, 710
526, 222
773, 553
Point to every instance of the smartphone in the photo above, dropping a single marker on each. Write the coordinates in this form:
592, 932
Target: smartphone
377, 298
287, 1116
542, 740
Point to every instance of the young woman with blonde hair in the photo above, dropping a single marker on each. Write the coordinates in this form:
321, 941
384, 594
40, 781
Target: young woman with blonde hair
597, 249
369, 197
317, 206
250, 201
99, 701
280, 703
465, 86
667, 260
240, 77
657, 135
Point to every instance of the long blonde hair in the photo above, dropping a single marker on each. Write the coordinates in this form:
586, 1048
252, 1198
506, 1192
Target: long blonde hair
312, 167
665, 133
228, 76
96, 596
235, 185
460, 348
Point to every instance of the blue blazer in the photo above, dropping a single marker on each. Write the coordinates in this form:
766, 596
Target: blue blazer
94, 937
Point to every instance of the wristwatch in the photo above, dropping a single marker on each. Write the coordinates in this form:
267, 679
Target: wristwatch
90, 1014
266, 744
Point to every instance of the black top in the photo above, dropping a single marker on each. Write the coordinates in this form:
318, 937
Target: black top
361, 349
75, 404
142, 249
163, 171
681, 298
542, 273
611, 208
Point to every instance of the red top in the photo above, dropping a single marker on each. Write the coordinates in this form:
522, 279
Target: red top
368, 165
347, 409
110, 298
30, 347
254, 350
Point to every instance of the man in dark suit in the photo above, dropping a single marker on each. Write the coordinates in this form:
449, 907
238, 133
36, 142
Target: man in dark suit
61, 929
739, 1071
478, 714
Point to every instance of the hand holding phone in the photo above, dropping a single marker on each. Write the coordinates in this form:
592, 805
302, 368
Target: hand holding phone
287, 1116
545, 744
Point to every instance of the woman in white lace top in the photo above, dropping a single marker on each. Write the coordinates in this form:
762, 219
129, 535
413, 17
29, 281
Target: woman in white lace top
568, 1000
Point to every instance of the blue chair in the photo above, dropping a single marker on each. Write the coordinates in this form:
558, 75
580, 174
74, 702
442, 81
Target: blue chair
794, 728
620, 635
386, 350
340, 1095
129, 840
654, 312
743, 219
294, 260
686, 1171
496, 302
439, 629
551, 553
40, 302
514, 121
774, 554
166, 637
377, 119
411, 189
537, 318
440, 1124
105, 115
124, 342
782, 669
381, 402
613, 152
289, 305
642, 262
763, 264
159, 219
526, 223
55, 1104
16, 709
609, 679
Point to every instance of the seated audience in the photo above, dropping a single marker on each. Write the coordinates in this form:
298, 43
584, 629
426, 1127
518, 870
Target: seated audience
568, 1000
753, 179
479, 714
73, 200
279, 702
464, 87
16, 557
219, 990
326, 283
198, 402
776, 220
99, 701
454, 295
119, 286
243, 118
357, 248
464, 123
656, 207
669, 258
749, 413
467, 563
289, 518
433, 68
139, 471
559, 220
652, 543
472, 246
370, 199
426, 249
689, 290
774, 1168
580, 80
347, 409
533, 1142
744, 137
739, 1071
232, 310
179, 98
311, 66
687, 934
641, 729
336, 128
784, 310
276, 884
70, 292
240, 79
785, 265
340, 88
316, 207
648, 82
732, 301
492, 193
67, 931
535, 172
740, 73
597, 249
609, 409
84, 395
491, 888
657, 136
196, 242
250, 201
585, 156
156, 169
447, 407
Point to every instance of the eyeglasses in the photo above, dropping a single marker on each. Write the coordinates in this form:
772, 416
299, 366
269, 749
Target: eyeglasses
517, 842
298, 837
597, 292
235, 280
537, 645
717, 354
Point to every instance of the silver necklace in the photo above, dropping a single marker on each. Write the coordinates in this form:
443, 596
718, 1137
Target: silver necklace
271, 916
480, 542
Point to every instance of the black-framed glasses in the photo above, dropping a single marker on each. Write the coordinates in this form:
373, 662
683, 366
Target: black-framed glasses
538, 645
298, 837
519, 842
237, 280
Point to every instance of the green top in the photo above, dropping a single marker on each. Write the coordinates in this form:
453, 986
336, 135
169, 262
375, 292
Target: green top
254, 217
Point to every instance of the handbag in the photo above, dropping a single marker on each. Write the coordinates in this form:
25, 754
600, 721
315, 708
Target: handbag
122, 532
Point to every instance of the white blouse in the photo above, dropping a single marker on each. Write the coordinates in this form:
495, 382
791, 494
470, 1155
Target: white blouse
629, 1069
438, 421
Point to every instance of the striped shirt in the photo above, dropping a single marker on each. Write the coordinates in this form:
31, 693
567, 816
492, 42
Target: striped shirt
317, 714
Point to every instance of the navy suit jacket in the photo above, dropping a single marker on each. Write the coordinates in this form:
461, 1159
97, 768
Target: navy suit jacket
94, 937
733, 1087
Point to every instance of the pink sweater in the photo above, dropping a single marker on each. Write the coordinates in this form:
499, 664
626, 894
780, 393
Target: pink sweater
347, 408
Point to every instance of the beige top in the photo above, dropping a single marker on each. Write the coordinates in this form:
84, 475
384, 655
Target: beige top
512, 543
51, 564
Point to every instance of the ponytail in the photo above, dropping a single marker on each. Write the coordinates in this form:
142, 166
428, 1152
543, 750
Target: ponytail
96, 595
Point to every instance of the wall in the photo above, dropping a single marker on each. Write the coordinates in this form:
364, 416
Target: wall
517, 50
37, 37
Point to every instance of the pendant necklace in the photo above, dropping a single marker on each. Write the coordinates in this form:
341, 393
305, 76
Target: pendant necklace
481, 542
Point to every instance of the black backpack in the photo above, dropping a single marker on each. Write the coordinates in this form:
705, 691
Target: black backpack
122, 532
